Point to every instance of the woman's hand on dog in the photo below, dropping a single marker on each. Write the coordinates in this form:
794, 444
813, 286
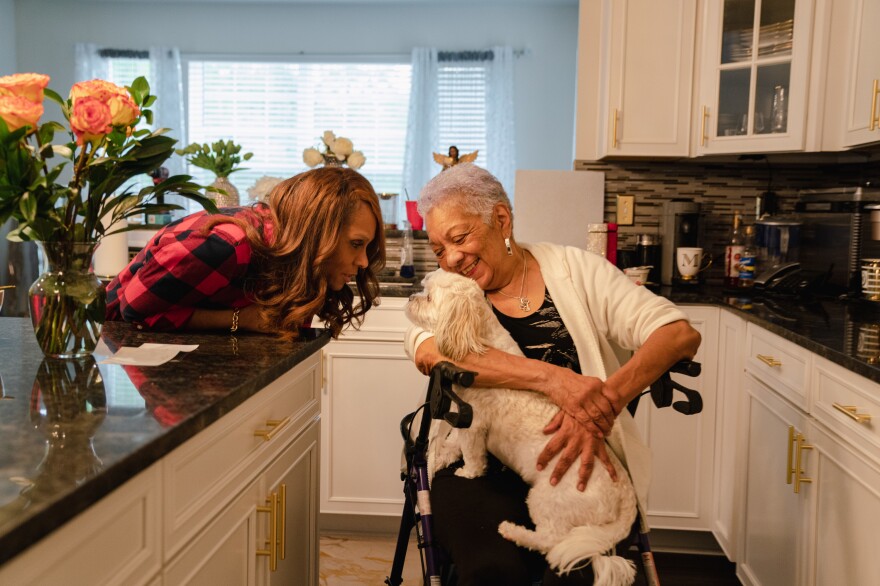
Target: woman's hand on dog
572, 441
587, 399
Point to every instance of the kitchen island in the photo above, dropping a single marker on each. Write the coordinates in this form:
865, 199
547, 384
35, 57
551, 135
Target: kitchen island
74, 432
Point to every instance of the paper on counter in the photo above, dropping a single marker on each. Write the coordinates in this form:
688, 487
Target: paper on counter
148, 354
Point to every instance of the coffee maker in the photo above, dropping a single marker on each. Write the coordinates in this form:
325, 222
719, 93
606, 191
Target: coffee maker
679, 226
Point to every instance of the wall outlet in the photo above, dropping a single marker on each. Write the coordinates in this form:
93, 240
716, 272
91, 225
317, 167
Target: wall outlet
626, 210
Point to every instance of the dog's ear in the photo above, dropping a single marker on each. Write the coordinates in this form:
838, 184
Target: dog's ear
460, 322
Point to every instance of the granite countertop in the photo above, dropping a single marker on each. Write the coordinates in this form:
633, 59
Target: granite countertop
73, 431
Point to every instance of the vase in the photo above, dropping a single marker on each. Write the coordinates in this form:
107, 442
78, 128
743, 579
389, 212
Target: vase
67, 301
331, 160
230, 198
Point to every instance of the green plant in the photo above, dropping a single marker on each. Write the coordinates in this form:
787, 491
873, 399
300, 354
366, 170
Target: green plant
221, 158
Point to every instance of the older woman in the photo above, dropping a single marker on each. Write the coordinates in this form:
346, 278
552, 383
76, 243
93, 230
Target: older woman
571, 312
270, 267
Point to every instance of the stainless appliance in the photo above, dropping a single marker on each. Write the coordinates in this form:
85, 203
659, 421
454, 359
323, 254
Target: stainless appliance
778, 240
679, 226
837, 234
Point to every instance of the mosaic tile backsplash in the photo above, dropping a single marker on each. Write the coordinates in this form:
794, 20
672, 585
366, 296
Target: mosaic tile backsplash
720, 188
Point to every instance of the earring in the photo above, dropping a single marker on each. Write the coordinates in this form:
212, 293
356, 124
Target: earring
507, 246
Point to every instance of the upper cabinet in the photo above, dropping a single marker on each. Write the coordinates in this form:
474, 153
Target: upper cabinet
683, 78
635, 78
862, 108
753, 76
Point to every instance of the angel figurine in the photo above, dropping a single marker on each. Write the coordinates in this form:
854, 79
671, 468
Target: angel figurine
453, 158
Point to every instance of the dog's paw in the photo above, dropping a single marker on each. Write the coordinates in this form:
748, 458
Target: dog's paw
470, 471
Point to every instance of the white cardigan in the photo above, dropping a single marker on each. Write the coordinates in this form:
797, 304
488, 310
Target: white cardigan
607, 316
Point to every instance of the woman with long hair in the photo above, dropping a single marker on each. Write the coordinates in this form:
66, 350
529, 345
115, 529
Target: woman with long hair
270, 267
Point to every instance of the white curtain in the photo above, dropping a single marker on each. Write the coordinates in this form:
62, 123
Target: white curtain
500, 139
166, 83
423, 126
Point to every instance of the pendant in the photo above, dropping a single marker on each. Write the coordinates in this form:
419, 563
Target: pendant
524, 304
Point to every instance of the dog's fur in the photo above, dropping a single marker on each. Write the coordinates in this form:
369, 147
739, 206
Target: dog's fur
572, 528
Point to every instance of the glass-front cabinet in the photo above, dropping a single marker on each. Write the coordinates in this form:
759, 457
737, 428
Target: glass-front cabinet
753, 79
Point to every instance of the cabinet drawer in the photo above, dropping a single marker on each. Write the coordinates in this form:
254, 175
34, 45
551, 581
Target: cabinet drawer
848, 404
778, 363
207, 472
385, 322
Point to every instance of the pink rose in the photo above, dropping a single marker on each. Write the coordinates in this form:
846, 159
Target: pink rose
29, 86
123, 110
17, 111
96, 88
90, 119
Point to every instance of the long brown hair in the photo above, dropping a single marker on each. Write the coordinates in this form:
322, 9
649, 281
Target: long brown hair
309, 212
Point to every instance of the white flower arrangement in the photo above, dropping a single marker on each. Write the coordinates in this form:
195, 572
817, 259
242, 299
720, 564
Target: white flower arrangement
337, 151
261, 189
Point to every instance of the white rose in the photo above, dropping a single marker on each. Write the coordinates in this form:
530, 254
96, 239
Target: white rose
263, 187
312, 157
329, 137
356, 160
341, 147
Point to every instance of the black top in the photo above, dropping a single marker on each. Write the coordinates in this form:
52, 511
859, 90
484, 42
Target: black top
542, 335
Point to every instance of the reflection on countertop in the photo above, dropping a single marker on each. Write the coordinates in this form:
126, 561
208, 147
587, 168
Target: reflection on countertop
74, 430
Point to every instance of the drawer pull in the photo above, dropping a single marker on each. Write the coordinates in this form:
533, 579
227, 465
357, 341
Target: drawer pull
274, 426
798, 473
852, 412
789, 470
768, 360
271, 543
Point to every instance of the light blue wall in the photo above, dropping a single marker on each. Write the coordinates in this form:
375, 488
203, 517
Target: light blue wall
7, 37
545, 76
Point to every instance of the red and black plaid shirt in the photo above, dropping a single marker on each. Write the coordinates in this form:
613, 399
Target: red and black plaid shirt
183, 268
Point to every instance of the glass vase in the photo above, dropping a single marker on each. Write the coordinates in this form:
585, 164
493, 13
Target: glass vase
67, 301
230, 198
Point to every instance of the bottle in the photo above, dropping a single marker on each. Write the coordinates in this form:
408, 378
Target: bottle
748, 260
732, 254
780, 110
407, 266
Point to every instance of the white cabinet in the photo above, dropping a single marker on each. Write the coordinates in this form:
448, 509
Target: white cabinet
862, 89
753, 77
634, 100
727, 455
680, 495
370, 386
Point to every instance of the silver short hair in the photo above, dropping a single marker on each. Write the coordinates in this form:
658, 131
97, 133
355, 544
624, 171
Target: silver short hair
467, 185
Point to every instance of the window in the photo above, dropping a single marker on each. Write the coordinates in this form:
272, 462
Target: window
278, 109
461, 89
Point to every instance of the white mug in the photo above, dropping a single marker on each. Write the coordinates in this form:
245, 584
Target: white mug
690, 261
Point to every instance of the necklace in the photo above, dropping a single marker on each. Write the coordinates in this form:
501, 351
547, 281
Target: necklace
525, 304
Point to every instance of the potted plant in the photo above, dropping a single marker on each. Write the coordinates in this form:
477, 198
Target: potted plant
222, 158
67, 194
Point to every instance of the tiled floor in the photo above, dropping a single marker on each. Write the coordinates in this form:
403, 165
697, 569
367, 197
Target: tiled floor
359, 559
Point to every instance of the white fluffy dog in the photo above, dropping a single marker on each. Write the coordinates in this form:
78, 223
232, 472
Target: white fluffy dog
572, 528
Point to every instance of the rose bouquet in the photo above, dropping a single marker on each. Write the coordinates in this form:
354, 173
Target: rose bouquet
337, 151
69, 193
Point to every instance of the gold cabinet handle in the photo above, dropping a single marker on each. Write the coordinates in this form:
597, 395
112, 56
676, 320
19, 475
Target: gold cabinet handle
615, 118
274, 426
703, 137
768, 360
271, 543
852, 412
283, 523
799, 478
875, 117
789, 467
